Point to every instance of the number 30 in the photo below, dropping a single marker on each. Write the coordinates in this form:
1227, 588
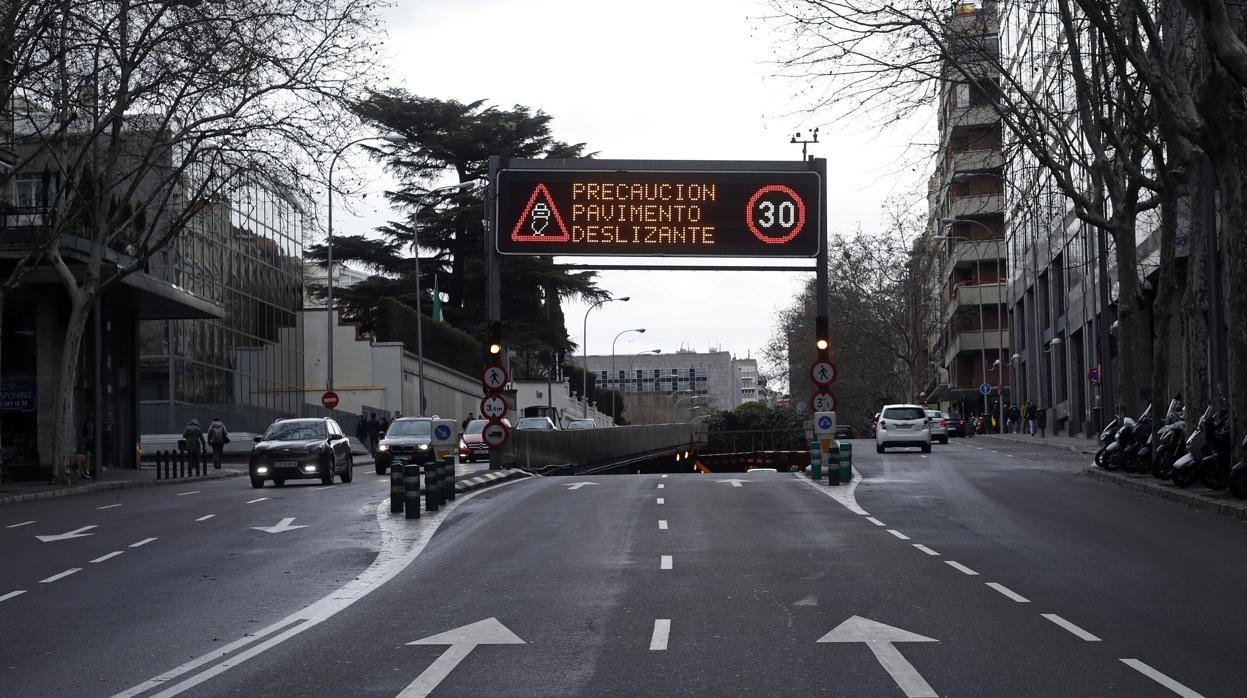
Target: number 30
787, 214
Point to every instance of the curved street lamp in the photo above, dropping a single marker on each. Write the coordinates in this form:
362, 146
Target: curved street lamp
616, 339
584, 338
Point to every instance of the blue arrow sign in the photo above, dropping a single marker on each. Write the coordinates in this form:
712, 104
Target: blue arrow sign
824, 423
442, 432
985, 389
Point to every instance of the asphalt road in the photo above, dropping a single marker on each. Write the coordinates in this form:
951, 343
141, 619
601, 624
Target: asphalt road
638, 585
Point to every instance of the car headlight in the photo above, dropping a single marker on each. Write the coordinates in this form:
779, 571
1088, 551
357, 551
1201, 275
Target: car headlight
423, 447
383, 447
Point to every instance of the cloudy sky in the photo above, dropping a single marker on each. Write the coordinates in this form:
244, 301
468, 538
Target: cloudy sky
669, 79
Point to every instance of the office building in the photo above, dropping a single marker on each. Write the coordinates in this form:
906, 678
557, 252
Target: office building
675, 387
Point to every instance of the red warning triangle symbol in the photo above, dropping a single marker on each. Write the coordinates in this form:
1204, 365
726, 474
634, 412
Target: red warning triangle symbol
541, 220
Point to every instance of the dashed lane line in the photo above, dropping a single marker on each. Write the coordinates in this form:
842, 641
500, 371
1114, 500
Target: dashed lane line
61, 575
665, 562
898, 534
1009, 593
141, 543
926, 550
662, 631
205, 518
19, 525
661, 486
109, 556
11, 594
183, 494
661, 500
875, 521
1152, 674
961, 568
662, 524
664, 475
110, 506
1073, 629
261, 499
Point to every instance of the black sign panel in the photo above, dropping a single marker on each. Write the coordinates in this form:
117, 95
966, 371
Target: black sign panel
659, 213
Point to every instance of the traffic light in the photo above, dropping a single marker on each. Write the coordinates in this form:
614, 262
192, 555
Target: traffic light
820, 340
495, 339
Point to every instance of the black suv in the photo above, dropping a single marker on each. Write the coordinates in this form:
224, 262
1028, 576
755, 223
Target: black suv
410, 438
301, 448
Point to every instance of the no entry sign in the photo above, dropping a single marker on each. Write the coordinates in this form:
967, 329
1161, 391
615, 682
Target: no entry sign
329, 400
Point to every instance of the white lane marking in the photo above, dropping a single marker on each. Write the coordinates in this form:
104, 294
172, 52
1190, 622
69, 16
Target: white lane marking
961, 568
1073, 629
11, 594
109, 556
874, 521
1011, 594
926, 550
183, 494
61, 575
16, 525
661, 500
665, 563
922, 456
662, 524
844, 495
393, 558
76, 533
995, 451
261, 499
979, 448
110, 506
898, 534
1012, 456
660, 485
664, 476
662, 630
143, 542
881, 639
1151, 674
205, 518
462, 641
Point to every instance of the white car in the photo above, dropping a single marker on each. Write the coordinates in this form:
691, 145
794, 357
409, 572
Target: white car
903, 425
939, 426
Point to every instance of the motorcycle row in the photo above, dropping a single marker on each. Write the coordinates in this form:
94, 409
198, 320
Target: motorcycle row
1203, 454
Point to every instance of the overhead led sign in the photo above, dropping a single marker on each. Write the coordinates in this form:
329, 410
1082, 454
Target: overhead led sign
659, 213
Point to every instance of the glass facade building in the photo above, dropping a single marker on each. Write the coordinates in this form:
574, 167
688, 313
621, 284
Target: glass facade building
246, 256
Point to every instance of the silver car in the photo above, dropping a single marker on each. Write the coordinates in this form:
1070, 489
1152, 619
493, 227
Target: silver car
939, 426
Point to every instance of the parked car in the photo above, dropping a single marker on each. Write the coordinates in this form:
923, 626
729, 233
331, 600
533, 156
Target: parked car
576, 424
301, 448
407, 437
939, 426
535, 424
472, 444
903, 425
844, 431
959, 426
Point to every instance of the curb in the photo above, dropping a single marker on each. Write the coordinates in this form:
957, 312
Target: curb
493, 477
1195, 500
1087, 450
119, 485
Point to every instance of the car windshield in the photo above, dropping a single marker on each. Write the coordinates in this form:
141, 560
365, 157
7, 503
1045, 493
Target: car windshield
296, 431
409, 427
933, 415
903, 413
533, 423
476, 426
581, 424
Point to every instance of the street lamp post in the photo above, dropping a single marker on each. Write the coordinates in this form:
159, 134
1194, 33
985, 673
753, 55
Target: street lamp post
947, 222
396, 139
471, 186
632, 364
584, 339
616, 339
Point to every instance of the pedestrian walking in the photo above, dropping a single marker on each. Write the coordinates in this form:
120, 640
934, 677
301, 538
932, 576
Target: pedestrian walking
1031, 415
373, 429
1041, 418
218, 436
193, 437
1015, 417
466, 420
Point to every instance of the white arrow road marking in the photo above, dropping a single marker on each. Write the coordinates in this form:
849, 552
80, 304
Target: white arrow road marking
1146, 671
17, 525
281, 527
662, 630
109, 556
76, 533
141, 543
1009, 593
11, 594
665, 562
1073, 629
577, 485
62, 575
735, 481
462, 641
880, 638
110, 506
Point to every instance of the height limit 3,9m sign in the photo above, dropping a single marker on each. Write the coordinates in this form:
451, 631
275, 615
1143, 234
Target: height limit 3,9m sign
752, 213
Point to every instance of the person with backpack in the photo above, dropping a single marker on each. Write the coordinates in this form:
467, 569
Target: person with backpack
218, 436
193, 439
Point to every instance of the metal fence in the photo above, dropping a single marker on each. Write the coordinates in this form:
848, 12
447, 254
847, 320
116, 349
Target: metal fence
172, 419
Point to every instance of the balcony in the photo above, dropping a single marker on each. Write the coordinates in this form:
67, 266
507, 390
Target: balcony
976, 341
976, 160
976, 205
971, 296
970, 253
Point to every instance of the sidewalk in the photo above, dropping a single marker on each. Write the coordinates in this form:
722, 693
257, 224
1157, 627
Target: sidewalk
1196, 496
1068, 443
110, 479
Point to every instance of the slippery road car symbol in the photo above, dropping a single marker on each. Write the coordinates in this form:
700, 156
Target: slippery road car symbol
541, 218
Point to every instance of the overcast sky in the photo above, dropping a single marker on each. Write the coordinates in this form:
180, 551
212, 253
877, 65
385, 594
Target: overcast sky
670, 79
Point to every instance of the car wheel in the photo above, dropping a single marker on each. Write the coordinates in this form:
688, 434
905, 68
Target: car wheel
926, 448
349, 473
327, 478
257, 482
878, 448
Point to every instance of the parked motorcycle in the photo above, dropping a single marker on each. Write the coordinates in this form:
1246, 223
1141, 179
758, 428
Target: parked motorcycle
1134, 440
1169, 442
1107, 437
1214, 469
1238, 476
1186, 470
